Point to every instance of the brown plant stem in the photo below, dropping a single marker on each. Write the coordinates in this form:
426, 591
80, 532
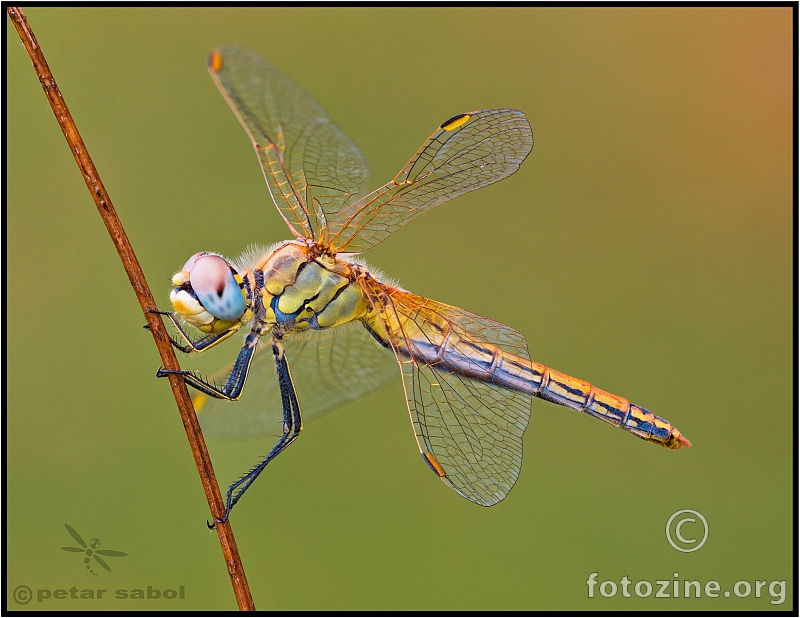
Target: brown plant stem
142, 290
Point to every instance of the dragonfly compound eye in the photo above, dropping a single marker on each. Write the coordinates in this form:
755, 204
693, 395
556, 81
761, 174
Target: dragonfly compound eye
215, 286
208, 293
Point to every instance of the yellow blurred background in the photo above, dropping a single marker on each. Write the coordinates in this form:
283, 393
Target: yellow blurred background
645, 245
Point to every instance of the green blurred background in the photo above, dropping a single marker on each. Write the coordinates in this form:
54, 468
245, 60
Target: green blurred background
645, 246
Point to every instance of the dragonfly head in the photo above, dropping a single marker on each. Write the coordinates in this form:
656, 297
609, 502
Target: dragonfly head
209, 293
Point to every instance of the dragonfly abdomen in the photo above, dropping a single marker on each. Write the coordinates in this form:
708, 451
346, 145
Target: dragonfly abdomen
489, 363
580, 395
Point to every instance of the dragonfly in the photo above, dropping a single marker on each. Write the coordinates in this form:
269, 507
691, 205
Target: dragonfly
91, 550
347, 329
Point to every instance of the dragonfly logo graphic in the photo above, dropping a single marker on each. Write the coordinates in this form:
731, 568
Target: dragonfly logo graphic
91, 550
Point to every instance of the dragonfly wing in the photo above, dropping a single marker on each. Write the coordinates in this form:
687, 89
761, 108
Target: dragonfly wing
329, 369
472, 428
312, 168
102, 563
465, 153
74, 534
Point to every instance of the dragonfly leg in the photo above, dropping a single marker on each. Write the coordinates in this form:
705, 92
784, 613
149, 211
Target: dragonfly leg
199, 345
232, 389
292, 426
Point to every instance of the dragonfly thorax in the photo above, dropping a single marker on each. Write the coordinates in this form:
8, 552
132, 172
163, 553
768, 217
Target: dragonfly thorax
299, 289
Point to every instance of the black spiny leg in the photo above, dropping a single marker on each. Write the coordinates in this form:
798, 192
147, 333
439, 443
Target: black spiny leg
200, 345
292, 426
232, 389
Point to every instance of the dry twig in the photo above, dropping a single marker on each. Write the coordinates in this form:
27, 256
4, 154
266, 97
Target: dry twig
140, 287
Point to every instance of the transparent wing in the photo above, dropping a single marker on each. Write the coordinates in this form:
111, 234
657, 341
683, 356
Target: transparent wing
473, 428
312, 168
465, 153
329, 369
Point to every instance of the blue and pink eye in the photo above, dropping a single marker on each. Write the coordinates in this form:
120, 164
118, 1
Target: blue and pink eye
210, 279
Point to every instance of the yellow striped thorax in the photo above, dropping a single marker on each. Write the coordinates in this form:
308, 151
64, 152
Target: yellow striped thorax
301, 291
